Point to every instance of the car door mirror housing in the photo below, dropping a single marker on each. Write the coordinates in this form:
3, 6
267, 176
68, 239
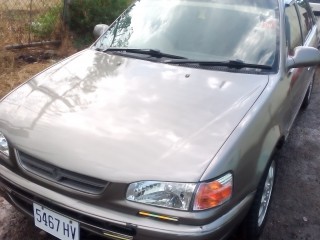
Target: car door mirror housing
304, 57
99, 30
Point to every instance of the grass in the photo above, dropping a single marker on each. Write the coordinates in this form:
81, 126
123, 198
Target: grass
25, 4
17, 18
14, 71
14, 19
19, 74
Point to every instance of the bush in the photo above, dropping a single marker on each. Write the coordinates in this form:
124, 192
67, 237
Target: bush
46, 23
85, 14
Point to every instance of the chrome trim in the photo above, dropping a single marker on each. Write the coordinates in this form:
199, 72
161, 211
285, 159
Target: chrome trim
117, 236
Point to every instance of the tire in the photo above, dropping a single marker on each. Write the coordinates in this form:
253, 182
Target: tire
254, 223
307, 97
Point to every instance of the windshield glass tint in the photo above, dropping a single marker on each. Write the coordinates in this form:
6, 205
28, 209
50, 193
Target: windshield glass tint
208, 30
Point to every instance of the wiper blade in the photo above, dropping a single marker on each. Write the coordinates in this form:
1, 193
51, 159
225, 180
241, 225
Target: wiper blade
238, 64
151, 52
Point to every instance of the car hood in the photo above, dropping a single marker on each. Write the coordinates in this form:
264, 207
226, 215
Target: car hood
123, 119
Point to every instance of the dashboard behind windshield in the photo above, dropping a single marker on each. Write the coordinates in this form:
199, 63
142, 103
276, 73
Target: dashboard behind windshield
216, 30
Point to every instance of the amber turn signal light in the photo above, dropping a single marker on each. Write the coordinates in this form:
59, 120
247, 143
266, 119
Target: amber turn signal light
213, 194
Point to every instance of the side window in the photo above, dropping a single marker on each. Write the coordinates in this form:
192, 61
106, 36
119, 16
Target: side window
293, 31
305, 17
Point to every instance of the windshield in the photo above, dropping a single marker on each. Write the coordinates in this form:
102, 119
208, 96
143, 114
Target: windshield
204, 30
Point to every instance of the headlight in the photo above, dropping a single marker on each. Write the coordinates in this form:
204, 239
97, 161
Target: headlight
4, 148
164, 194
180, 195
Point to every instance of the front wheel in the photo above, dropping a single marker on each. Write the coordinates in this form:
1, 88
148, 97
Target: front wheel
256, 218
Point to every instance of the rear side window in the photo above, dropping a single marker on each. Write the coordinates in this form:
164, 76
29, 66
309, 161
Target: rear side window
293, 31
305, 17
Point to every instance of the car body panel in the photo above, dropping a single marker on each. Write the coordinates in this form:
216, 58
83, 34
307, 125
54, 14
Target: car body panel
267, 124
179, 114
123, 119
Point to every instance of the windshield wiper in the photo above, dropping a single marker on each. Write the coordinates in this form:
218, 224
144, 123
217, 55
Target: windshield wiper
151, 52
238, 64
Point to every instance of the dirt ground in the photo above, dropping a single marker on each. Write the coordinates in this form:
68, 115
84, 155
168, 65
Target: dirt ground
295, 209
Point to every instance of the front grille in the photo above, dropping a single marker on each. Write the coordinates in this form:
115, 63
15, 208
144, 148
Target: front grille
60, 176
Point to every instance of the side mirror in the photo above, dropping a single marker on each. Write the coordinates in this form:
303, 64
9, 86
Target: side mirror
99, 30
315, 8
304, 57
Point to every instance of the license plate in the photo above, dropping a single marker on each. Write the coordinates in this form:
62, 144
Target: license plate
55, 224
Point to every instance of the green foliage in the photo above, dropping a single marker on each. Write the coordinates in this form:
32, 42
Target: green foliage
82, 41
47, 22
85, 14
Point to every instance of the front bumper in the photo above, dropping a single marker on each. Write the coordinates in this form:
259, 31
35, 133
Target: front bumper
114, 225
